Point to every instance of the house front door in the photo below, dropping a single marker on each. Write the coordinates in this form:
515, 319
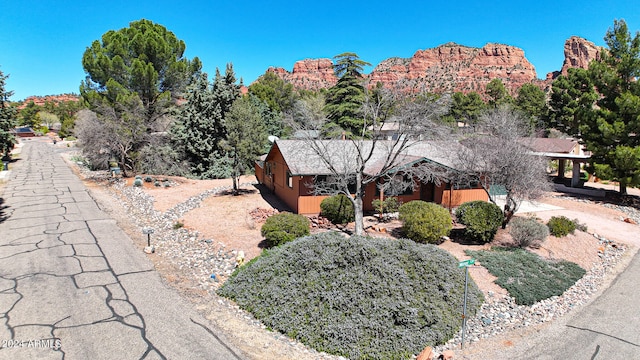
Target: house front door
427, 191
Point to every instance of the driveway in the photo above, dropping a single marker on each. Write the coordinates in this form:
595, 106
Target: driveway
72, 285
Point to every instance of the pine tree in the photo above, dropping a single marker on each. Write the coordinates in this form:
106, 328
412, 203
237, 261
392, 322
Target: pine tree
7, 119
345, 99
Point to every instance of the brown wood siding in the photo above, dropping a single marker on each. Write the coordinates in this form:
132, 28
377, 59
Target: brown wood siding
461, 196
259, 171
279, 185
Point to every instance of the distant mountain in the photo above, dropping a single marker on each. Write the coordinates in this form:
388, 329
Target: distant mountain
447, 68
40, 100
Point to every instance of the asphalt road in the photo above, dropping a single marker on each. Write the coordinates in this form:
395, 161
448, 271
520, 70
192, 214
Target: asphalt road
73, 286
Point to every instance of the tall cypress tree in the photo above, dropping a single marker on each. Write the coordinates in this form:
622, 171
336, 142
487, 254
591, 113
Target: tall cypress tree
345, 99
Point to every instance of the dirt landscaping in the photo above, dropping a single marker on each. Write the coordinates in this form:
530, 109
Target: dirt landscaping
235, 221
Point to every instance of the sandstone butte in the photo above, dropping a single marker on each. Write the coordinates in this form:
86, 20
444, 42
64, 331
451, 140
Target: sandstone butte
55, 99
447, 68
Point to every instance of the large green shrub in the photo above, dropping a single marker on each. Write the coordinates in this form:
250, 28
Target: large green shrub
561, 226
482, 219
388, 205
528, 232
358, 297
338, 209
425, 222
284, 227
527, 277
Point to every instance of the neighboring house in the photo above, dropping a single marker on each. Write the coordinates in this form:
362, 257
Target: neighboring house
562, 150
291, 168
24, 132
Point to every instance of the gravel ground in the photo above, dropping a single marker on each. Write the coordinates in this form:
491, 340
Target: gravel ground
206, 263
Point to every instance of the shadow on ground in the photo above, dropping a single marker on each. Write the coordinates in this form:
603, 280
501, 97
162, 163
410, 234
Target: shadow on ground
3, 211
272, 199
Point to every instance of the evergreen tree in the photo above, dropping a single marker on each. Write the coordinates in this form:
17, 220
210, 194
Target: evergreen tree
344, 100
572, 99
144, 58
270, 88
467, 108
601, 106
497, 93
611, 131
532, 101
7, 118
200, 127
246, 136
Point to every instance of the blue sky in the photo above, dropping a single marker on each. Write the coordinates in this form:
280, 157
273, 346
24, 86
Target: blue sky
42, 42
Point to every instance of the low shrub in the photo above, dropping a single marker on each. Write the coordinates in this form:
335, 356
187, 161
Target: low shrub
284, 227
357, 297
388, 205
482, 219
338, 209
425, 222
580, 226
528, 232
561, 226
527, 277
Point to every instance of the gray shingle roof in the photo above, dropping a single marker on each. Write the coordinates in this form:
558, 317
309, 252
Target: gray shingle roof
343, 156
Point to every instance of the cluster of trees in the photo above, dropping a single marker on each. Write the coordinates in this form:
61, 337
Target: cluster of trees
601, 106
50, 115
153, 110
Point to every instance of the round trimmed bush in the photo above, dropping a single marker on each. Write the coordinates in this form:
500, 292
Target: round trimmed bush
527, 232
358, 297
482, 219
338, 209
425, 222
561, 226
284, 227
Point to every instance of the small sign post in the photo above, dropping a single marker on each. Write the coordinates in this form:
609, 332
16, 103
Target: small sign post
465, 264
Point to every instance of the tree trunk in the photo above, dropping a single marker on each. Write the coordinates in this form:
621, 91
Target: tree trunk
509, 209
623, 187
357, 207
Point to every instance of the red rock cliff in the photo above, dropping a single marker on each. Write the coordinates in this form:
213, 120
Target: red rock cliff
310, 74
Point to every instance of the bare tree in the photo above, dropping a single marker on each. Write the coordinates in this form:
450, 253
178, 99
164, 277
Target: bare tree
113, 132
357, 161
498, 154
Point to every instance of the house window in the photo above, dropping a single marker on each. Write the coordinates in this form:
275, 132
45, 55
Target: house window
398, 185
269, 168
470, 185
289, 179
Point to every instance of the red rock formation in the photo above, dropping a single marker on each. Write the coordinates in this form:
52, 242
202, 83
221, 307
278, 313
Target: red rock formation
452, 67
310, 74
447, 68
56, 99
578, 53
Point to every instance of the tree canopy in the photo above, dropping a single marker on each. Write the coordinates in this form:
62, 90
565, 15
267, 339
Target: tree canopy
144, 58
344, 100
601, 106
7, 118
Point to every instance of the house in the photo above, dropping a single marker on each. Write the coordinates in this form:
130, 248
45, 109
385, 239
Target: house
292, 167
24, 132
562, 150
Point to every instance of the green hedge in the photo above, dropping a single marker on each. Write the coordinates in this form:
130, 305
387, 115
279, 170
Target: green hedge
284, 227
358, 297
482, 219
425, 222
338, 209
